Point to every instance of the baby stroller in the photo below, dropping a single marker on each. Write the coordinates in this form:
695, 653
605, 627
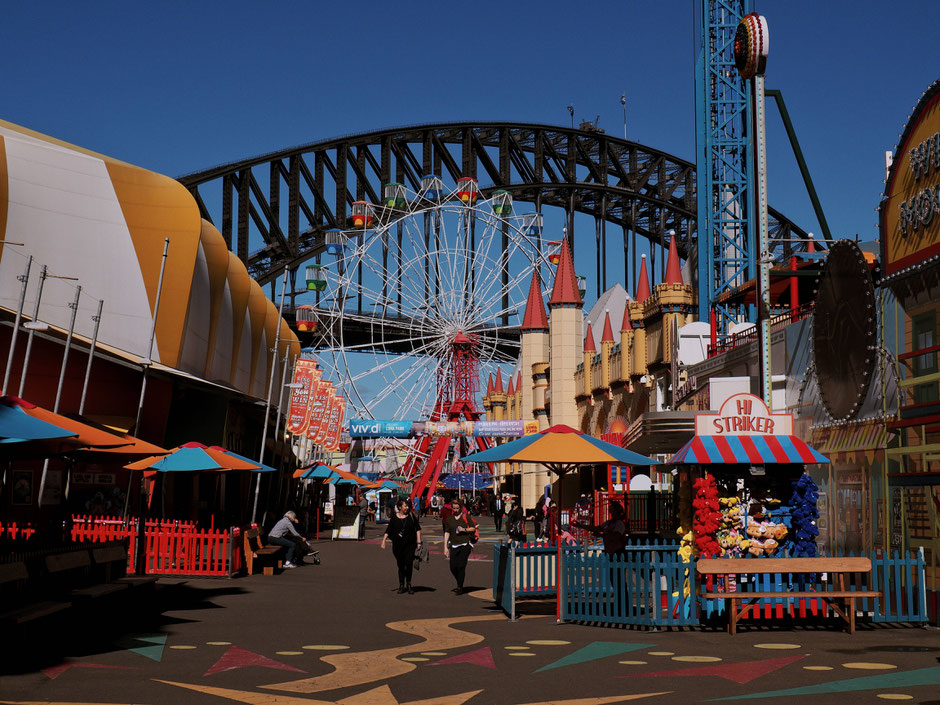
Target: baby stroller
305, 549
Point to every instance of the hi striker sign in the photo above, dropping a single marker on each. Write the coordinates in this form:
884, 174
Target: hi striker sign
743, 415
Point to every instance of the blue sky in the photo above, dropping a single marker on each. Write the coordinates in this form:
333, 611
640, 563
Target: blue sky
181, 86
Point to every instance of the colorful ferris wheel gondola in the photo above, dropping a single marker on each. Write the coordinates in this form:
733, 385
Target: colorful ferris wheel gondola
468, 190
334, 240
432, 188
395, 196
363, 213
555, 254
582, 284
306, 318
502, 203
531, 224
315, 275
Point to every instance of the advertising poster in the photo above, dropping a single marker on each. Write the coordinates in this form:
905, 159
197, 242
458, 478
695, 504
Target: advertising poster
306, 375
320, 406
369, 428
335, 424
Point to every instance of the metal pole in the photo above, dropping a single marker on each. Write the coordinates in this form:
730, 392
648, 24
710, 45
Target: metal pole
24, 277
91, 355
763, 242
58, 391
32, 331
267, 403
623, 103
153, 334
146, 365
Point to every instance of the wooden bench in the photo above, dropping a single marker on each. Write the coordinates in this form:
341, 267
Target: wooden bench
71, 574
840, 599
268, 556
15, 591
111, 562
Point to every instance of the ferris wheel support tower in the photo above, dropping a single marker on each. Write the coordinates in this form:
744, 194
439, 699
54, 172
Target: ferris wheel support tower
458, 384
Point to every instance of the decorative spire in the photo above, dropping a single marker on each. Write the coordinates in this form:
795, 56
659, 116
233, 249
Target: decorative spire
498, 384
643, 288
626, 324
810, 244
519, 381
565, 289
489, 385
673, 270
608, 336
589, 340
512, 388
534, 317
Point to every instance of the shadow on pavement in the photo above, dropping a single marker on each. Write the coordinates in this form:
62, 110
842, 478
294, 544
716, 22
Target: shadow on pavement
101, 626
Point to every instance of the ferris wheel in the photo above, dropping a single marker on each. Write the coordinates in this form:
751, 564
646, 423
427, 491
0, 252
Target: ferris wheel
418, 279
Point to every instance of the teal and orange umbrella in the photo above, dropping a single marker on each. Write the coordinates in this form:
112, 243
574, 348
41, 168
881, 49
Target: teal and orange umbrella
196, 457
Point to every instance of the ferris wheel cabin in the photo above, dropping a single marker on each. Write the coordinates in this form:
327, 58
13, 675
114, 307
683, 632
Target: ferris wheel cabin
468, 190
363, 213
306, 319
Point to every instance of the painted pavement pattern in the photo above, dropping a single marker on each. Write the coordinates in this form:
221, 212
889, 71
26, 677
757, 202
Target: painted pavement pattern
339, 633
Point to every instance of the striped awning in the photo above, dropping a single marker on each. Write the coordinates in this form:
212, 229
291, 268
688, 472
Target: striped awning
750, 450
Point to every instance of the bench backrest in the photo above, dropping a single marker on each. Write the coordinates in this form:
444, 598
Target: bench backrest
252, 540
752, 566
72, 560
13, 572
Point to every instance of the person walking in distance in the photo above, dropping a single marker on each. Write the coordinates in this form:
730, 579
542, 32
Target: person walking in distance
459, 535
363, 515
496, 509
405, 532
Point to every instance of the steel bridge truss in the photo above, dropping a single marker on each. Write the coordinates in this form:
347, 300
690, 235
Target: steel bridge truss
274, 210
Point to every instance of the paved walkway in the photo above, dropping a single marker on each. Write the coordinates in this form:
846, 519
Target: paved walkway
340, 633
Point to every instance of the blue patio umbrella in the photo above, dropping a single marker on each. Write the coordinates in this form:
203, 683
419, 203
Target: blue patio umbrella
16, 426
317, 472
263, 468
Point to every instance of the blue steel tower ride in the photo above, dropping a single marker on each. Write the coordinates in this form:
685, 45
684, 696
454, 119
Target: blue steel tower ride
726, 225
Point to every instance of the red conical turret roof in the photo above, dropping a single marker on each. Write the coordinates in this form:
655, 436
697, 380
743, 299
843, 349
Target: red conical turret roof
673, 270
626, 324
811, 244
643, 288
489, 385
565, 289
534, 317
608, 336
519, 381
512, 388
589, 340
498, 384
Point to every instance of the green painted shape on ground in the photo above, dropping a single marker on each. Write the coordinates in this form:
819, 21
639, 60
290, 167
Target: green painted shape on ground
594, 651
149, 645
895, 679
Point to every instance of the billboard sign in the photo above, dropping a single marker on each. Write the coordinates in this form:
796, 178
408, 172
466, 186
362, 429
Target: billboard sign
307, 375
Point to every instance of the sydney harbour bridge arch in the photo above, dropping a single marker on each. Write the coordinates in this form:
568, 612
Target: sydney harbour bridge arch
274, 209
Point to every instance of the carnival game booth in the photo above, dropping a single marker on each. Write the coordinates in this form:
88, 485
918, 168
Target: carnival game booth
745, 496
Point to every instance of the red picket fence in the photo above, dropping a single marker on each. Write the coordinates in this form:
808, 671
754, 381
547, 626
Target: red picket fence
14, 532
172, 547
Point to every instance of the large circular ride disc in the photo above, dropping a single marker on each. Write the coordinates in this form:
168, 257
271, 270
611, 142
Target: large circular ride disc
844, 332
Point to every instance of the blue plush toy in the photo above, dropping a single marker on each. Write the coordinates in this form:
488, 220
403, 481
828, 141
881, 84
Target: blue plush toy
803, 516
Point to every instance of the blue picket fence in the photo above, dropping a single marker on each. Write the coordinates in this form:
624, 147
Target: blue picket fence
650, 585
899, 578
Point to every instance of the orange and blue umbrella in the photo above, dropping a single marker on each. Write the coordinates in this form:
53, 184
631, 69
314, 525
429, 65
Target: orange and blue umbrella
195, 457
560, 449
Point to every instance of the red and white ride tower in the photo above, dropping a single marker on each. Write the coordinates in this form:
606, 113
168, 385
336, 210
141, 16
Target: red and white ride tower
458, 386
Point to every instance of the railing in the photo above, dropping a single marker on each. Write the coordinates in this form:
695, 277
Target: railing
781, 320
650, 585
13, 532
172, 547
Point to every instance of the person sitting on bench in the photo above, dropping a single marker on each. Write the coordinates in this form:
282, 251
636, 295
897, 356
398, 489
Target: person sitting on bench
284, 534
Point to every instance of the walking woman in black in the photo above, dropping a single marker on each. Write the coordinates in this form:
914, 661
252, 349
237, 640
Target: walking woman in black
405, 532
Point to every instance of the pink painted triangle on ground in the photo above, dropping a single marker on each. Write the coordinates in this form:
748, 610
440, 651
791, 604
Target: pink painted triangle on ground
743, 672
479, 657
237, 657
56, 671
